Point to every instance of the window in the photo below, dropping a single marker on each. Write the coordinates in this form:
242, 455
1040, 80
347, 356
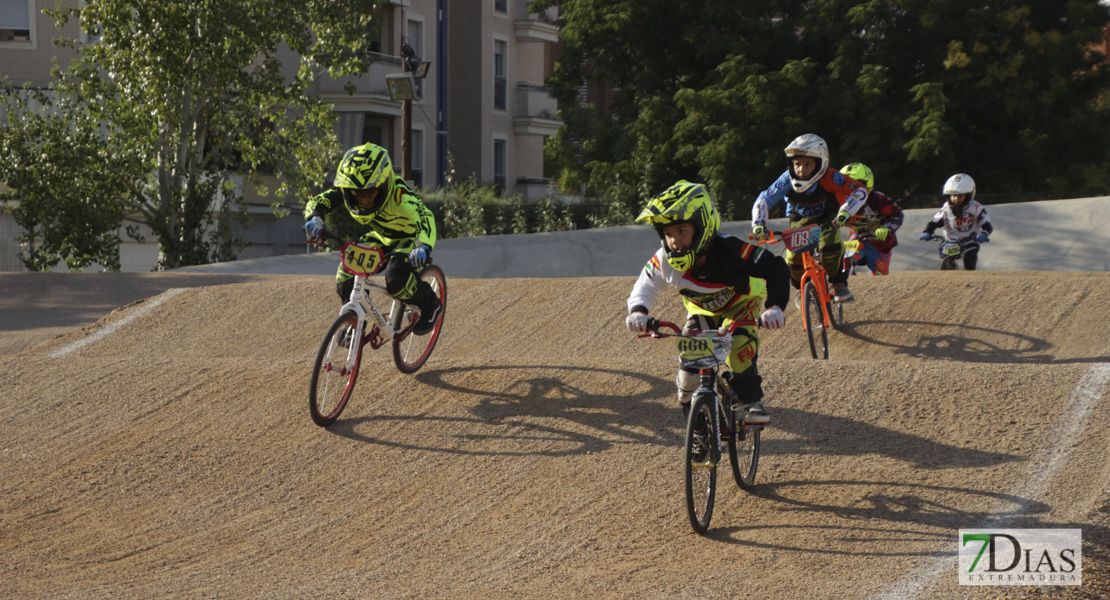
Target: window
87, 36
376, 37
414, 33
499, 156
15, 20
500, 80
501, 5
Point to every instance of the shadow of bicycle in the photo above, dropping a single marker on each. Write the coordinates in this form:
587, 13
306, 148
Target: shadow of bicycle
536, 410
960, 343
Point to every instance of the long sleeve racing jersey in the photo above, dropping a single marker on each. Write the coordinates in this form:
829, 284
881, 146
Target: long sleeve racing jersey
403, 217
833, 186
959, 228
720, 284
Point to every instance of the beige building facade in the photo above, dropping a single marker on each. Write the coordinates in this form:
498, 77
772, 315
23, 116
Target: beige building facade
481, 112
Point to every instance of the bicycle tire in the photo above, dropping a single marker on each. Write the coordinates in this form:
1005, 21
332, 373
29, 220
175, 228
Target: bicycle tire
332, 382
949, 264
836, 314
815, 322
702, 456
410, 351
743, 452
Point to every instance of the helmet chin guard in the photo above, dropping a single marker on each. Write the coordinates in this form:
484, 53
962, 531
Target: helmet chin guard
684, 202
808, 145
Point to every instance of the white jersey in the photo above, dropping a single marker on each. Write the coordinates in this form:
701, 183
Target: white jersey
699, 297
966, 225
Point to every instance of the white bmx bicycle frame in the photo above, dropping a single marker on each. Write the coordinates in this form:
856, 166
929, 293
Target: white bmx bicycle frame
360, 304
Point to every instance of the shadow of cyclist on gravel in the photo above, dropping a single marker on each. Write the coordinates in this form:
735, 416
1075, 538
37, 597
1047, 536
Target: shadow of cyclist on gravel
964, 344
886, 518
547, 409
818, 434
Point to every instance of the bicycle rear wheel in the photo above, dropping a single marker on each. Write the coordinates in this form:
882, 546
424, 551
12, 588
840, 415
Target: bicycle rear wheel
334, 374
836, 314
411, 351
701, 453
815, 322
743, 452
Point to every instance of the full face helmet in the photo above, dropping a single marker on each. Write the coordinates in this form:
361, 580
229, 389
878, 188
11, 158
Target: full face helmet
861, 173
960, 183
365, 167
684, 202
808, 145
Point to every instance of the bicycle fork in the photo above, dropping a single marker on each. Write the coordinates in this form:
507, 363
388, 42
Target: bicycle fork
707, 388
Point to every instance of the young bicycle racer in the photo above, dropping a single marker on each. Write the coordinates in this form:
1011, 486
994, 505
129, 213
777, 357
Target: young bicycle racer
720, 278
395, 219
964, 220
813, 194
874, 225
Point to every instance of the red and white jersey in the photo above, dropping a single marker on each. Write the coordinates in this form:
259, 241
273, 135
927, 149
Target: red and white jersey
967, 225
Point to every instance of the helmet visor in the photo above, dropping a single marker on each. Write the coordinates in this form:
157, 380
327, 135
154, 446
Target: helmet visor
365, 202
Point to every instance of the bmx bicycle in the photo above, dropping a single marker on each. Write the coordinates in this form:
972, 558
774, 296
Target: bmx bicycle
820, 310
337, 362
952, 251
715, 417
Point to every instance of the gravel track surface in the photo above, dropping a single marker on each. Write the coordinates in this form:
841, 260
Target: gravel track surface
155, 443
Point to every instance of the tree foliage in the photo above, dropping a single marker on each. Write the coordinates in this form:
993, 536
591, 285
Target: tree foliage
158, 117
713, 90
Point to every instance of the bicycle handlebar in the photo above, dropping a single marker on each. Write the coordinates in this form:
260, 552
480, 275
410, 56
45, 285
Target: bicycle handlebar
654, 325
325, 234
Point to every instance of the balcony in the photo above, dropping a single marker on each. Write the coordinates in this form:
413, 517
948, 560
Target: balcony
368, 86
535, 27
535, 112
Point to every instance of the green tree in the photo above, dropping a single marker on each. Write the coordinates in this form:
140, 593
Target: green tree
918, 89
160, 114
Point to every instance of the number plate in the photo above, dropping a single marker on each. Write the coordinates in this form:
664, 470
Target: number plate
703, 353
851, 248
950, 249
362, 259
802, 239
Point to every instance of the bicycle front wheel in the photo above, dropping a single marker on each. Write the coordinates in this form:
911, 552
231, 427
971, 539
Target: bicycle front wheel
948, 264
701, 454
815, 322
335, 370
411, 351
743, 453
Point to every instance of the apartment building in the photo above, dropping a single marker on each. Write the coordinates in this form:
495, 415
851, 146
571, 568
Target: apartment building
482, 110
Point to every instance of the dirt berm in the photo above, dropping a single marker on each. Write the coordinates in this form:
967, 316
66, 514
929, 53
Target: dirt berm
164, 449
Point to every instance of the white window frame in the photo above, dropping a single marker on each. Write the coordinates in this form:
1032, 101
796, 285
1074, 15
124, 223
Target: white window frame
504, 175
417, 47
503, 43
32, 32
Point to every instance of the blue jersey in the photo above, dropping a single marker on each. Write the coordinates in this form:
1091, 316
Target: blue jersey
834, 186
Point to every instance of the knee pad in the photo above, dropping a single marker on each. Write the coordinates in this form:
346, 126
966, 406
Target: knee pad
401, 283
686, 382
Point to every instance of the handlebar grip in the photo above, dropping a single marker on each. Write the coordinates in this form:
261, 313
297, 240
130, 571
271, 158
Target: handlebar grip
653, 324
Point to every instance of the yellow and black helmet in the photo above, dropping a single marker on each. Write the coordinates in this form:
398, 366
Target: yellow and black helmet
684, 202
861, 173
363, 168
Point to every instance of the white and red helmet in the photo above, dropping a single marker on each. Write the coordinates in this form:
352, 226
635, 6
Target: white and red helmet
808, 145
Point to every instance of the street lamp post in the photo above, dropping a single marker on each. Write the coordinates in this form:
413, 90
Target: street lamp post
417, 69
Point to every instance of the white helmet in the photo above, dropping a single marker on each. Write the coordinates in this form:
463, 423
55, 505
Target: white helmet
960, 183
808, 145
